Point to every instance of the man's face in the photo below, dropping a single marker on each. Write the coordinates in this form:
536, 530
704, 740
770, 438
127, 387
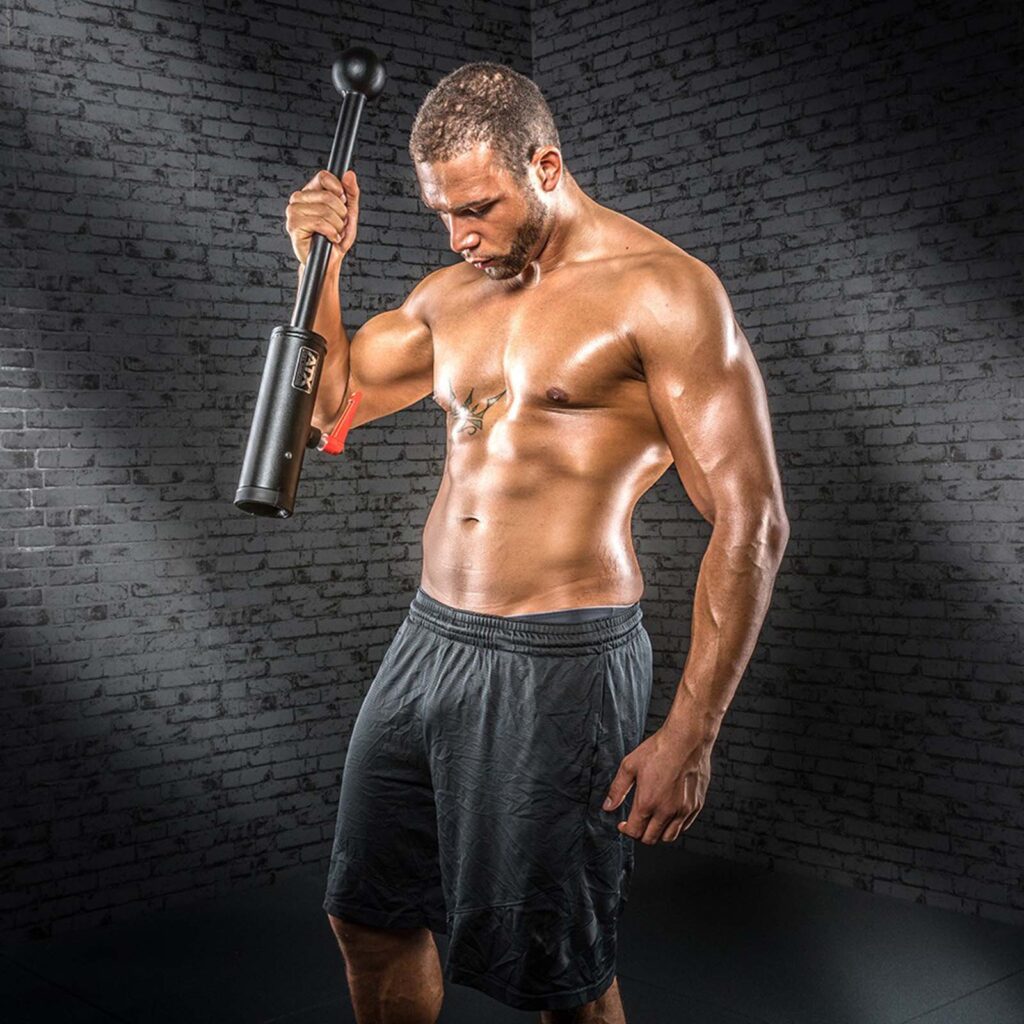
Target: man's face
487, 215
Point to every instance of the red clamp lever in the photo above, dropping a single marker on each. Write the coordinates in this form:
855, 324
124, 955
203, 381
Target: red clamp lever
334, 442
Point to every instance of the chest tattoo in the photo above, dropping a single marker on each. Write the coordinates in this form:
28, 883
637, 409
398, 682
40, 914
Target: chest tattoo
470, 414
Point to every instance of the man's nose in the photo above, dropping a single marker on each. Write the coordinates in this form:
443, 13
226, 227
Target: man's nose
461, 238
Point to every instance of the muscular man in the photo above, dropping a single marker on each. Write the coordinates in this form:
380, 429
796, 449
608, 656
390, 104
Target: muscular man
576, 355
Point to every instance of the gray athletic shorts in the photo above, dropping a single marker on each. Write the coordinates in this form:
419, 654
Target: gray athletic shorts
471, 796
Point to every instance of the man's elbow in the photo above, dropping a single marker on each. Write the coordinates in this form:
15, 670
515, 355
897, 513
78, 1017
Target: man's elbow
775, 527
761, 524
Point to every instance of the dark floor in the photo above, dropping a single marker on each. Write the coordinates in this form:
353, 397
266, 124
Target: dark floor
702, 942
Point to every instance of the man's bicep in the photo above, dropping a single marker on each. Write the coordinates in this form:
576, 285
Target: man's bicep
708, 395
391, 362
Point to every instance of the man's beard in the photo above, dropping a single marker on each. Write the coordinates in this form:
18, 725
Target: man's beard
525, 239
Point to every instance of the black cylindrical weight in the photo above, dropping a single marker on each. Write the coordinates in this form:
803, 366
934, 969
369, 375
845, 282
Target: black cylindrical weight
280, 424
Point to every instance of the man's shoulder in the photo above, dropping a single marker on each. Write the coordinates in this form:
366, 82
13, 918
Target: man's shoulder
675, 297
427, 294
435, 288
669, 271
653, 269
655, 265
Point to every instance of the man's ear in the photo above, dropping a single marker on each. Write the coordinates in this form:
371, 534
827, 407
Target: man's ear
549, 167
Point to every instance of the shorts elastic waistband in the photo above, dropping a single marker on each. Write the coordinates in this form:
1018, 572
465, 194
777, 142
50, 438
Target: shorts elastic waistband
510, 634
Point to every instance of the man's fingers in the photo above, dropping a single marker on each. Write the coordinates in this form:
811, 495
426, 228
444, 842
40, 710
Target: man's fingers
674, 830
621, 785
315, 184
319, 195
320, 217
345, 186
351, 193
321, 203
650, 827
656, 828
325, 180
326, 205
636, 823
679, 824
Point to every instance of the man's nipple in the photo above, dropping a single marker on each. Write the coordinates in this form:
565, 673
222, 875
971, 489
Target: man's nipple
557, 395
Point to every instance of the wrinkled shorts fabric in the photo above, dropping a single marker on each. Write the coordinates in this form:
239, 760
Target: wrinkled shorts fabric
471, 796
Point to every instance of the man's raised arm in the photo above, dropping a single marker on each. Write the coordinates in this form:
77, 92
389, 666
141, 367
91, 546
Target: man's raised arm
390, 359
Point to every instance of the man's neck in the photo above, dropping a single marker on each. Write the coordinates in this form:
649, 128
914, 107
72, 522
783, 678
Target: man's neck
572, 235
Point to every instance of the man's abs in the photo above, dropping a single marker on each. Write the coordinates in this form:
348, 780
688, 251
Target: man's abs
510, 556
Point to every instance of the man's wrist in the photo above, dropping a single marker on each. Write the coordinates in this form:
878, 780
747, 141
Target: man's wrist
694, 717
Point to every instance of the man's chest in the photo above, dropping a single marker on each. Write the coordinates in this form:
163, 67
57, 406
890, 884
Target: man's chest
559, 350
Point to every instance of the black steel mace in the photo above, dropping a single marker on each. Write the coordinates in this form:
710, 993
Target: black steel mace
281, 424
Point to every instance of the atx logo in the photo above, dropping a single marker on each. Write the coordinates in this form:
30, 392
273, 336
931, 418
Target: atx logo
305, 370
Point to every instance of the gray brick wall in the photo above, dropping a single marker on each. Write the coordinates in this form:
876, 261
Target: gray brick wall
179, 678
852, 173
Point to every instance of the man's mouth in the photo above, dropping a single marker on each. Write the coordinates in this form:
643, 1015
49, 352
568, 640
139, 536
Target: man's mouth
482, 263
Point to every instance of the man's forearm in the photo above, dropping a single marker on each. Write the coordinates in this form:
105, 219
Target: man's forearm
734, 588
334, 374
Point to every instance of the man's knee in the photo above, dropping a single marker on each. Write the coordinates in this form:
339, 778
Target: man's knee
371, 946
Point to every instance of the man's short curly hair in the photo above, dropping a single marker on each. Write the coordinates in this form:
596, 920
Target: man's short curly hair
483, 102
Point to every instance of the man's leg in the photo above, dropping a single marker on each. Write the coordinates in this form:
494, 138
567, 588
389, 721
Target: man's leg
394, 974
606, 1009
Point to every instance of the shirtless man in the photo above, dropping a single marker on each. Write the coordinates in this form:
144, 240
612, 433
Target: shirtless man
586, 356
